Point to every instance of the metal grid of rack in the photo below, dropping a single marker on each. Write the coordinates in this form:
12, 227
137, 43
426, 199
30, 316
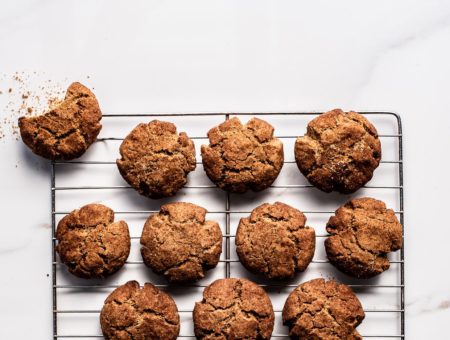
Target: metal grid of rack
227, 212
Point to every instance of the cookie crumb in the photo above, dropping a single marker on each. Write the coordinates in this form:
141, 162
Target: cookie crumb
24, 98
444, 305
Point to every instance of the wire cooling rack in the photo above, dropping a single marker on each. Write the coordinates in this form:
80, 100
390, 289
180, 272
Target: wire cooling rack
77, 302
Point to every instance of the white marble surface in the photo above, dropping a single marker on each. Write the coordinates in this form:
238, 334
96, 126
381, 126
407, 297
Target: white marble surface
234, 56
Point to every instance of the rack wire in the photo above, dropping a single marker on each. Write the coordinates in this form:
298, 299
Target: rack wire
228, 235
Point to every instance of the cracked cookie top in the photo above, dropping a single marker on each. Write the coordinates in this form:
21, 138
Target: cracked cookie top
179, 243
131, 312
156, 160
233, 309
242, 157
363, 232
339, 152
68, 130
325, 310
274, 241
90, 243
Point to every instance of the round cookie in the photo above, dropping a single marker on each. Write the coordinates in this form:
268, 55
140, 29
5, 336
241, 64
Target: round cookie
363, 232
179, 243
242, 157
340, 151
320, 309
131, 312
274, 241
233, 309
156, 160
66, 131
90, 243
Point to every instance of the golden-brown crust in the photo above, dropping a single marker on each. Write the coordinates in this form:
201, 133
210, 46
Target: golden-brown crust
179, 243
323, 310
242, 157
363, 233
274, 241
68, 130
340, 151
233, 309
156, 160
134, 313
90, 243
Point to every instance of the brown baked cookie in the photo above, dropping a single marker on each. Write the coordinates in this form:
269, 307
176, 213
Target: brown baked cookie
179, 243
363, 232
339, 152
134, 313
66, 131
90, 243
274, 241
156, 160
233, 309
324, 310
242, 157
